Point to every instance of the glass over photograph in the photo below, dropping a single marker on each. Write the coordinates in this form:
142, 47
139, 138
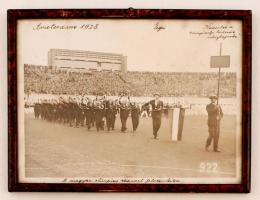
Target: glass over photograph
129, 101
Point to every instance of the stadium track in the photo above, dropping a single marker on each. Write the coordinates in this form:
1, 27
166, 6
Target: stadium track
57, 150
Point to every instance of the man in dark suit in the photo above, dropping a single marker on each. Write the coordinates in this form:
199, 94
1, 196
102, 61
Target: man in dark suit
215, 114
157, 109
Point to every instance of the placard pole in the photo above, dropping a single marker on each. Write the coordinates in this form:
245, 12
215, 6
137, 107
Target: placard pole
219, 74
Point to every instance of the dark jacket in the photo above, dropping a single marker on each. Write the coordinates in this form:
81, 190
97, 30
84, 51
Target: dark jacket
214, 112
135, 111
156, 109
124, 111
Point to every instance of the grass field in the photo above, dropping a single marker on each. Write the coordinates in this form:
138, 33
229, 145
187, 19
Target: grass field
57, 150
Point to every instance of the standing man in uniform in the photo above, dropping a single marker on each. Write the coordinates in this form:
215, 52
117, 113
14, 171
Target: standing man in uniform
215, 114
157, 109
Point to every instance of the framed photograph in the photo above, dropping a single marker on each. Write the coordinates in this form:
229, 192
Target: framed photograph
129, 100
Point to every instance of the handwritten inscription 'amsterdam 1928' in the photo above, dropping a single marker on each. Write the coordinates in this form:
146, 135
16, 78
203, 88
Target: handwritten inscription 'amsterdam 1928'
216, 32
54, 26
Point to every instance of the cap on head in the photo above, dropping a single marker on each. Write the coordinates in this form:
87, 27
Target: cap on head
212, 97
156, 94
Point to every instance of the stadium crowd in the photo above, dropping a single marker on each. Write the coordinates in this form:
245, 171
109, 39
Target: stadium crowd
45, 80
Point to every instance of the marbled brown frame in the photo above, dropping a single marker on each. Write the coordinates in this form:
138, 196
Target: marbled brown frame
13, 15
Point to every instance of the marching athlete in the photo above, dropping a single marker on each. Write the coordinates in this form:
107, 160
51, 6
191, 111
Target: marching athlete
135, 113
98, 113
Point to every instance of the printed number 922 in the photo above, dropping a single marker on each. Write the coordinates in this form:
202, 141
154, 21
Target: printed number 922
208, 167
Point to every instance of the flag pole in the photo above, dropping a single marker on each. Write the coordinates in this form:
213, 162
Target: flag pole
219, 75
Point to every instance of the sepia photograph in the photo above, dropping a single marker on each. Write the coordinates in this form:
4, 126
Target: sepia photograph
129, 101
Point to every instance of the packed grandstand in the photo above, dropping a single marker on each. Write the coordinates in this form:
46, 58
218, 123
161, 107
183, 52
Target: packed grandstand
46, 80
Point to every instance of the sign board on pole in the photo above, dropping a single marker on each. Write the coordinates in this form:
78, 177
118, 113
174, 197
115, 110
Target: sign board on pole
219, 61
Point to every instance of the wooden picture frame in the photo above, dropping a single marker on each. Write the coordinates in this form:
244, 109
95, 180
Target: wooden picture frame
244, 16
